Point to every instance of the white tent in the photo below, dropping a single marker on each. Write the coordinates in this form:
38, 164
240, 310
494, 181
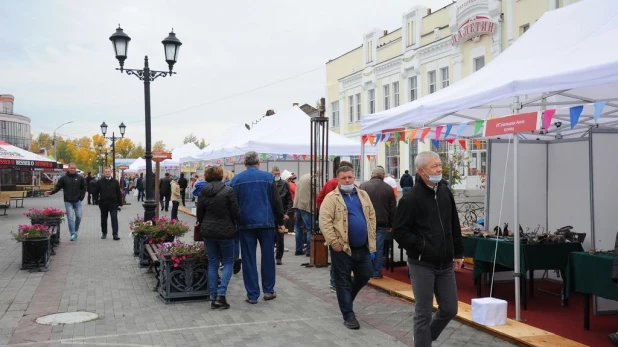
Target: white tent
567, 58
285, 132
238, 131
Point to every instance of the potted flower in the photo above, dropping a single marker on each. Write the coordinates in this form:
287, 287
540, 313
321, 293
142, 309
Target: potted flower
147, 232
183, 271
51, 217
174, 227
137, 236
36, 247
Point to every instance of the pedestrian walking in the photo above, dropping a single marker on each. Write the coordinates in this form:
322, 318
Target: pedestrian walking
175, 188
141, 184
260, 213
89, 179
217, 212
286, 200
110, 202
427, 227
348, 223
302, 206
165, 191
73, 186
406, 182
183, 183
92, 189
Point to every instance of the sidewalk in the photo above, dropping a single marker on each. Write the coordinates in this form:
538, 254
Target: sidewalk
103, 277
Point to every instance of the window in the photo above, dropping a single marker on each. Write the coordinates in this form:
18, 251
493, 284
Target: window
351, 108
413, 153
410, 33
479, 63
412, 85
478, 158
442, 148
395, 94
524, 28
356, 166
387, 95
444, 75
372, 101
335, 106
431, 76
392, 159
358, 107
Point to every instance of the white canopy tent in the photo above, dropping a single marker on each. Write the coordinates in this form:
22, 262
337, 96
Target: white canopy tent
238, 131
285, 132
566, 59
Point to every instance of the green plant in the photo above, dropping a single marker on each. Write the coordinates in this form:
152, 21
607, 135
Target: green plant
30, 232
453, 161
178, 251
48, 213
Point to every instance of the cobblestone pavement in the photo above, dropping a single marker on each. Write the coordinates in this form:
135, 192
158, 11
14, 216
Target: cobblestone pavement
103, 277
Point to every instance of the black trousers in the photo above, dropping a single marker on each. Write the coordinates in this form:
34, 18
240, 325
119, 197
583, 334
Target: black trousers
175, 205
182, 196
112, 210
279, 243
141, 194
167, 197
89, 198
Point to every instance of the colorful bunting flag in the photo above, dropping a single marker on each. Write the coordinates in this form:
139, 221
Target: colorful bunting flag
264, 156
439, 131
463, 144
451, 140
424, 133
285, 156
461, 128
575, 112
436, 143
378, 137
448, 130
547, 117
368, 157
397, 137
386, 137
388, 143
477, 143
304, 156
331, 157
413, 134
364, 139
598, 108
295, 156
372, 139
478, 125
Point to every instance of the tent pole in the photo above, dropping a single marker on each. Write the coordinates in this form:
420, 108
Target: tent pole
515, 228
362, 161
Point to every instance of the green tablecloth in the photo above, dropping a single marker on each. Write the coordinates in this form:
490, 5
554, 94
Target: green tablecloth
469, 243
535, 256
590, 274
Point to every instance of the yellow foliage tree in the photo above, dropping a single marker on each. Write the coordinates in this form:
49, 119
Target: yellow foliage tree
124, 146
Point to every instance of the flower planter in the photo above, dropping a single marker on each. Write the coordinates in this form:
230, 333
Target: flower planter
187, 281
144, 258
136, 242
54, 228
35, 253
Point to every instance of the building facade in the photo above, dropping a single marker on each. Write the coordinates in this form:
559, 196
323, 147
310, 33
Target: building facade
14, 128
430, 51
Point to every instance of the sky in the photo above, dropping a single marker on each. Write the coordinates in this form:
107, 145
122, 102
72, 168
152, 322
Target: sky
238, 59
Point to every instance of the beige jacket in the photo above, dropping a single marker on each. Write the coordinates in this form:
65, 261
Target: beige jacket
175, 191
334, 220
302, 200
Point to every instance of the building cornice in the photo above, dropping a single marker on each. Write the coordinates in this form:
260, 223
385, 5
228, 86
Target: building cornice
351, 80
436, 48
388, 67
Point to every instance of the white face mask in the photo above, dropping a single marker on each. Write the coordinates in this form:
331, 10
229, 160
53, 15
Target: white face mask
347, 187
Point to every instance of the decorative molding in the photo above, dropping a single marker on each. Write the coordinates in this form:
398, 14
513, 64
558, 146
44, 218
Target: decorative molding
384, 45
351, 81
436, 33
388, 67
435, 50
457, 58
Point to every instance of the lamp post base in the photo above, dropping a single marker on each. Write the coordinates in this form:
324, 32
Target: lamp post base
149, 209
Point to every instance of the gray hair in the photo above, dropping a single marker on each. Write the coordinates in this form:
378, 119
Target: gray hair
344, 169
423, 157
275, 168
251, 158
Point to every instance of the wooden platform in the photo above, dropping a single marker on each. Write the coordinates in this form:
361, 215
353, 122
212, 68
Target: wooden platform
514, 331
186, 210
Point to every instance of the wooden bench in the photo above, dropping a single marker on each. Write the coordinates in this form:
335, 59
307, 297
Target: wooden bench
5, 202
16, 196
154, 263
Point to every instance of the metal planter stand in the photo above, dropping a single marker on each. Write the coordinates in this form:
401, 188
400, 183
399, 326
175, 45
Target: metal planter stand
136, 243
144, 258
188, 281
36, 253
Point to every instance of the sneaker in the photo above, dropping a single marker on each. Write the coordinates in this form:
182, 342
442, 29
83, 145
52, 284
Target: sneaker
270, 296
333, 289
73, 237
352, 323
252, 302
299, 253
308, 254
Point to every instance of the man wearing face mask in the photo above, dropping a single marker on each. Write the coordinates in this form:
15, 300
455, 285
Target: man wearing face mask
348, 222
286, 200
427, 227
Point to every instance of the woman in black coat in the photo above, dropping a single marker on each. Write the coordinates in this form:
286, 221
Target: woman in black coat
217, 210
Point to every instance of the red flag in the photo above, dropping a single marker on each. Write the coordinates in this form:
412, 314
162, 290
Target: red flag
364, 139
451, 140
304, 157
424, 133
463, 144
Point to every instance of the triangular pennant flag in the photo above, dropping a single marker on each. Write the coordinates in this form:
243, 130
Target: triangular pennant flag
451, 140
478, 125
368, 157
547, 117
575, 112
463, 144
372, 139
386, 137
461, 128
448, 130
424, 133
598, 108
413, 134
295, 156
264, 156
388, 143
378, 137
477, 143
304, 156
439, 131
364, 139
397, 137
402, 136
285, 156
436, 143
331, 157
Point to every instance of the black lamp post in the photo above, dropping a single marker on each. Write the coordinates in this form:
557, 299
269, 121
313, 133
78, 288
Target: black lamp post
113, 139
171, 45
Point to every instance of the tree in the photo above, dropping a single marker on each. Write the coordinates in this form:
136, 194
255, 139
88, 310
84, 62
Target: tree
455, 160
190, 138
202, 144
159, 145
138, 151
124, 146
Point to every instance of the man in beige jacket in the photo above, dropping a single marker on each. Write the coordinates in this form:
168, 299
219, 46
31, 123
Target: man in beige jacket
302, 206
348, 222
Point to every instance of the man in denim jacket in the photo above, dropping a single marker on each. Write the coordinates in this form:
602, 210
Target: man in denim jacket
261, 212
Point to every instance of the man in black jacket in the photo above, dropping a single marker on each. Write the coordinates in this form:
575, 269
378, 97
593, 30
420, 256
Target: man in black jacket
384, 203
283, 188
427, 227
92, 189
406, 182
74, 189
110, 201
140, 187
165, 191
183, 183
89, 178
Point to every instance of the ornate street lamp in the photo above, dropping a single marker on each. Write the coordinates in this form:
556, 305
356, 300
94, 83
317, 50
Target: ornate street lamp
113, 139
171, 46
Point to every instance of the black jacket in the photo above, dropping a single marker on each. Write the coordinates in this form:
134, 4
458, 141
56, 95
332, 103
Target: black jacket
88, 180
140, 183
406, 181
382, 199
73, 186
108, 192
165, 186
427, 225
615, 267
183, 183
283, 188
92, 186
217, 211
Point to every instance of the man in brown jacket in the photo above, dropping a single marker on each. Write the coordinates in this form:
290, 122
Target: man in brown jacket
348, 222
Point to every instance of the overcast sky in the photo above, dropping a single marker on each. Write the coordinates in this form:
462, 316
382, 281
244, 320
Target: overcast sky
238, 59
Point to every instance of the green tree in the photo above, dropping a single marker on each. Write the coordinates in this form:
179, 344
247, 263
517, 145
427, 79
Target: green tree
138, 151
454, 160
190, 138
159, 145
202, 144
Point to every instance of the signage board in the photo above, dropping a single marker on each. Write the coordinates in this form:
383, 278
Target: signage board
159, 155
516, 123
122, 167
473, 29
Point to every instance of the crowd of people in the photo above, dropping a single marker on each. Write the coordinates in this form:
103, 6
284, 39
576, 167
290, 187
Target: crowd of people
236, 213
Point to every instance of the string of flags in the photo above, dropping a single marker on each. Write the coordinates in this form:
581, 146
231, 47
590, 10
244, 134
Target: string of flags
274, 157
443, 131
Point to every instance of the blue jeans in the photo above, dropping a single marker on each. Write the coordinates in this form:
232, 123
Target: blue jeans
347, 287
74, 215
377, 262
248, 241
406, 189
303, 221
219, 251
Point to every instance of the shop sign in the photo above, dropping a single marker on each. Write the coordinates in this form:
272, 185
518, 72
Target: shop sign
516, 123
473, 29
159, 155
122, 167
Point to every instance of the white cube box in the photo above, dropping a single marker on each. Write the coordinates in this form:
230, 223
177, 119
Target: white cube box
194, 211
489, 311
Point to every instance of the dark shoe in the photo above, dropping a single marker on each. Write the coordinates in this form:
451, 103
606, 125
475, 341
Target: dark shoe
252, 302
237, 266
104, 236
299, 253
308, 254
352, 323
279, 262
116, 238
270, 296
213, 305
613, 337
221, 302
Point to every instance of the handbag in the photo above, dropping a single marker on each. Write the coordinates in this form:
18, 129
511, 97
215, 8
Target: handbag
197, 236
